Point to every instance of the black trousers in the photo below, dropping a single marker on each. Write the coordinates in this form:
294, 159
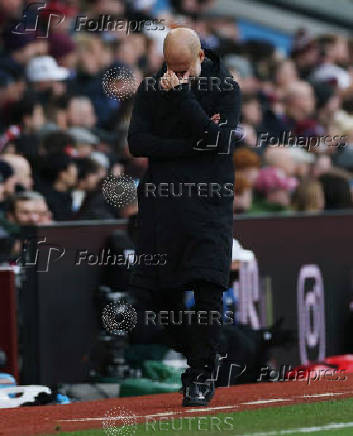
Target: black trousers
194, 332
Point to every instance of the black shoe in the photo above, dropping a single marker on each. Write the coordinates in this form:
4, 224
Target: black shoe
198, 387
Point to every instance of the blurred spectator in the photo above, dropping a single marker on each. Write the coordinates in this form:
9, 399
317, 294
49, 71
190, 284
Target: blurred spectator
20, 49
46, 77
84, 139
305, 53
12, 87
129, 210
61, 177
322, 165
58, 142
333, 53
243, 194
22, 171
196, 7
8, 180
280, 157
28, 208
63, 48
94, 57
336, 190
327, 103
28, 115
274, 188
80, 112
241, 69
89, 176
343, 124
247, 164
309, 196
52, 102
250, 135
303, 162
300, 106
251, 110
283, 73
55, 115
94, 207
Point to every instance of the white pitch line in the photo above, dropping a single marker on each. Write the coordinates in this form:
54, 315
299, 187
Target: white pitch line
271, 400
208, 409
327, 394
156, 415
328, 427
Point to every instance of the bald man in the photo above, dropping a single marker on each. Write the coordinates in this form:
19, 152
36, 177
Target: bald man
183, 121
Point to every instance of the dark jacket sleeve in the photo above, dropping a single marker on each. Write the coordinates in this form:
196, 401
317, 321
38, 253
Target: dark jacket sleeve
144, 144
219, 137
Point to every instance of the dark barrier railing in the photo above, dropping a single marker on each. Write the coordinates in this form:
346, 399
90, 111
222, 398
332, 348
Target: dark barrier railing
308, 259
305, 259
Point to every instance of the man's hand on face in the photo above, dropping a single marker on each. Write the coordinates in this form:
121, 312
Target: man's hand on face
216, 118
170, 80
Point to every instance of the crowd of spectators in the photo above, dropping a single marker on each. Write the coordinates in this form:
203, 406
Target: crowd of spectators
61, 134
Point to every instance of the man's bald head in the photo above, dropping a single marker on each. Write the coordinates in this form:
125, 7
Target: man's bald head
181, 39
300, 100
182, 51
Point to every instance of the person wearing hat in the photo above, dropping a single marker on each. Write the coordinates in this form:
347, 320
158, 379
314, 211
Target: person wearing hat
85, 141
63, 48
45, 75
